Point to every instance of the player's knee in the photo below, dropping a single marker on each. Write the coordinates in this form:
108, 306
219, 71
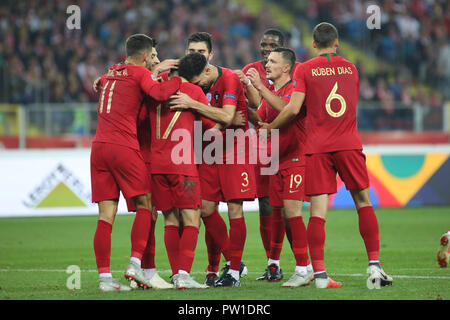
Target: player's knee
141, 201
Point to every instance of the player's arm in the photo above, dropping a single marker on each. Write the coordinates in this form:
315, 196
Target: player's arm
272, 99
222, 115
253, 116
289, 112
252, 94
160, 91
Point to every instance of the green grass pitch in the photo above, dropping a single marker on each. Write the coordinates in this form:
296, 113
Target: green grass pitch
35, 253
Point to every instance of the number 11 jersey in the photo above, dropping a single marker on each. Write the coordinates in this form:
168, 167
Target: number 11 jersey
331, 85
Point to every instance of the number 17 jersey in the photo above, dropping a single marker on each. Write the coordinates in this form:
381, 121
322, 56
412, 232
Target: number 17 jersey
331, 85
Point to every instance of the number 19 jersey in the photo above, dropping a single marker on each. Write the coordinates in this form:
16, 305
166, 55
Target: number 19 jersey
331, 85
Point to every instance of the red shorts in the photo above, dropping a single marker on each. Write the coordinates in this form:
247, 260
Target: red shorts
262, 183
322, 169
175, 190
116, 168
225, 182
130, 203
287, 184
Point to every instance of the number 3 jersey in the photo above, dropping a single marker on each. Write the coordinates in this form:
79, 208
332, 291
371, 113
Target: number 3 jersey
123, 91
331, 85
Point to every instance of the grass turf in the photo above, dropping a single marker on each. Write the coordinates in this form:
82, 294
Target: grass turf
35, 253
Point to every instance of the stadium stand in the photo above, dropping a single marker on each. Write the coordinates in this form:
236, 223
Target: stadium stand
42, 61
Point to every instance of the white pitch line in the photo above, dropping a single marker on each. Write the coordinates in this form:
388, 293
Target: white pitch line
256, 273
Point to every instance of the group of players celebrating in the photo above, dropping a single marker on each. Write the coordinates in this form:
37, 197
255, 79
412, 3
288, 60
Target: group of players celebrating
148, 108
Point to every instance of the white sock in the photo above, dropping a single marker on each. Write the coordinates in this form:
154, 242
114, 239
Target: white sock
228, 263
309, 268
234, 273
301, 269
149, 273
105, 275
136, 260
182, 272
270, 261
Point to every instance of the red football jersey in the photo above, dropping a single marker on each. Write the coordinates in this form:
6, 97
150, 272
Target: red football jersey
228, 90
124, 88
259, 66
291, 150
331, 85
163, 124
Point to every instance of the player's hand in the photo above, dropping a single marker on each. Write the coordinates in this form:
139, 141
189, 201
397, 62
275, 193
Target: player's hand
263, 130
97, 86
253, 76
180, 101
238, 119
166, 65
242, 77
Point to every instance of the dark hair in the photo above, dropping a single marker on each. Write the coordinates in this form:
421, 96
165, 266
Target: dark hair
155, 42
277, 33
288, 55
201, 37
137, 44
324, 35
191, 65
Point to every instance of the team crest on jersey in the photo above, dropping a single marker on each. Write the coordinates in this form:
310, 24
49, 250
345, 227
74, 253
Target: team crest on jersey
209, 96
154, 77
216, 96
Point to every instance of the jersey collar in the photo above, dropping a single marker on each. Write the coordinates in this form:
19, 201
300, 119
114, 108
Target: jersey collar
329, 55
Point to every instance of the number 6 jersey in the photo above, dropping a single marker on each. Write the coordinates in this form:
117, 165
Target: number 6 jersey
331, 86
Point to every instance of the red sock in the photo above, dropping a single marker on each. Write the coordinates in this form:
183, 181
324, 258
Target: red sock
140, 231
368, 228
172, 242
217, 229
316, 242
238, 233
277, 235
213, 253
288, 232
265, 229
148, 259
299, 241
186, 252
102, 246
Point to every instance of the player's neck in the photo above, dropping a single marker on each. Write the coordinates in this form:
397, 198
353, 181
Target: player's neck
320, 52
281, 81
214, 76
135, 63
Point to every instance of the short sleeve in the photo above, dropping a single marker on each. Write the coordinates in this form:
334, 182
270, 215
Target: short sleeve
232, 90
299, 83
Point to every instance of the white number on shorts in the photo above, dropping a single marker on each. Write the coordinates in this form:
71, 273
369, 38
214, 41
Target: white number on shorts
333, 95
245, 176
171, 124
297, 179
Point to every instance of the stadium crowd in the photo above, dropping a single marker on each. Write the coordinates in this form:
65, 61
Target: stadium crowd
41, 60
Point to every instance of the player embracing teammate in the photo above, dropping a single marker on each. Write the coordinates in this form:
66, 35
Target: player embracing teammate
328, 87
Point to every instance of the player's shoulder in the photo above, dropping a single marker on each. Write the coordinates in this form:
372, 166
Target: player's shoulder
229, 75
255, 65
188, 88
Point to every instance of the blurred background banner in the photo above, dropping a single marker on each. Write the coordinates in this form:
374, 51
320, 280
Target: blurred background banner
48, 62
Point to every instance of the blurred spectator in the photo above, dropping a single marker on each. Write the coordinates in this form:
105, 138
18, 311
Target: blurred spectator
43, 61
